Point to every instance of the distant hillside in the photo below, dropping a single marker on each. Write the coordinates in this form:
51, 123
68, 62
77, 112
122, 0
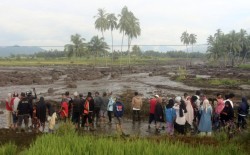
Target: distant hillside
7, 51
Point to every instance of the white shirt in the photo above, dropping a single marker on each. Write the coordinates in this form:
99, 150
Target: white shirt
16, 102
179, 120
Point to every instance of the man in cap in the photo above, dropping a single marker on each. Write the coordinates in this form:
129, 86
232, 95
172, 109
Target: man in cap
152, 103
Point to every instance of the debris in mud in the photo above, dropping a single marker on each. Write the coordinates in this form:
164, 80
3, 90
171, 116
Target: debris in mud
72, 85
50, 90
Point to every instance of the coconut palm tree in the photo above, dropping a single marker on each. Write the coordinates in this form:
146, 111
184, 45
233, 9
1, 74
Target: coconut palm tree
78, 48
112, 24
192, 39
101, 23
133, 30
123, 24
96, 45
185, 39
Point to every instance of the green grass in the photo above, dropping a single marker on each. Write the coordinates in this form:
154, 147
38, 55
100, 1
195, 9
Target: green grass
227, 82
100, 61
246, 66
93, 145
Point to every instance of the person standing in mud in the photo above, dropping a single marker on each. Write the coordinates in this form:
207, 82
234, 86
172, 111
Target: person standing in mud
76, 106
242, 113
218, 109
152, 103
87, 111
23, 111
51, 117
41, 112
14, 109
30, 98
170, 117
159, 116
180, 121
136, 106
105, 101
190, 112
98, 104
9, 109
118, 113
69, 101
110, 107
205, 124
64, 111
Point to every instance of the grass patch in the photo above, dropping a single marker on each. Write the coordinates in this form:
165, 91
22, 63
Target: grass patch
227, 82
245, 66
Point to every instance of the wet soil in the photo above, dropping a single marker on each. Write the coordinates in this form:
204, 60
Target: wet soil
20, 139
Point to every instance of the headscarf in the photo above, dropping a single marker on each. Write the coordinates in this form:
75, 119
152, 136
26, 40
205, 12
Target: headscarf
206, 104
182, 107
170, 104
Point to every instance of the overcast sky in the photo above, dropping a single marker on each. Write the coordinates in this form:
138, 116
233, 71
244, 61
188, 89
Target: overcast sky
51, 22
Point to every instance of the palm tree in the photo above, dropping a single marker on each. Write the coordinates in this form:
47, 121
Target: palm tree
96, 45
185, 39
101, 22
112, 24
123, 24
234, 45
133, 30
192, 39
78, 48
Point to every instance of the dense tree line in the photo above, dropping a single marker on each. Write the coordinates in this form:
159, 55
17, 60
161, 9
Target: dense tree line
232, 48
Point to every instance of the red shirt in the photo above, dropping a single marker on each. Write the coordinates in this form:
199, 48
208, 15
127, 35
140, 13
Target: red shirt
152, 103
9, 105
65, 109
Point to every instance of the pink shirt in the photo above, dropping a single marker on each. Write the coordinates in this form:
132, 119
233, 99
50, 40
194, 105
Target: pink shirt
220, 106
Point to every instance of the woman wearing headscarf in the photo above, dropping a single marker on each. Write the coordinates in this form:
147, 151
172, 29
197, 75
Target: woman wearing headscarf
227, 113
205, 124
242, 112
180, 121
170, 117
190, 111
8, 103
41, 112
158, 114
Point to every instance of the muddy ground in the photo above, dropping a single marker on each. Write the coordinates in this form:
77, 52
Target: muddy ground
52, 81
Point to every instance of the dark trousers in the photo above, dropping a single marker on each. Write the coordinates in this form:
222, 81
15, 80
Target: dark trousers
151, 118
97, 114
136, 112
24, 118
242, 121
87, 117
110, 116
179, 128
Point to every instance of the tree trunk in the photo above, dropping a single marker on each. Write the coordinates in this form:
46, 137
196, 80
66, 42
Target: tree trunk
112, 48
121, 49
129, 43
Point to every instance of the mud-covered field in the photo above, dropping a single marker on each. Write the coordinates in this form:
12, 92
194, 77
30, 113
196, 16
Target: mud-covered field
52, 81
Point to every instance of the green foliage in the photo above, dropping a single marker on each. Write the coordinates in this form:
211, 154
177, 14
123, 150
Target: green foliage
66, 128
232, 47
227, 82
182, 73
8, 149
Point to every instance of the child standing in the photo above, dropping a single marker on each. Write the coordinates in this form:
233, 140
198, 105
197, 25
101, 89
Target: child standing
35, 120
118, 113
170, 117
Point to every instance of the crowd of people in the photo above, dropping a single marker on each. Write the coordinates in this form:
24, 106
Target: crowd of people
179, 114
